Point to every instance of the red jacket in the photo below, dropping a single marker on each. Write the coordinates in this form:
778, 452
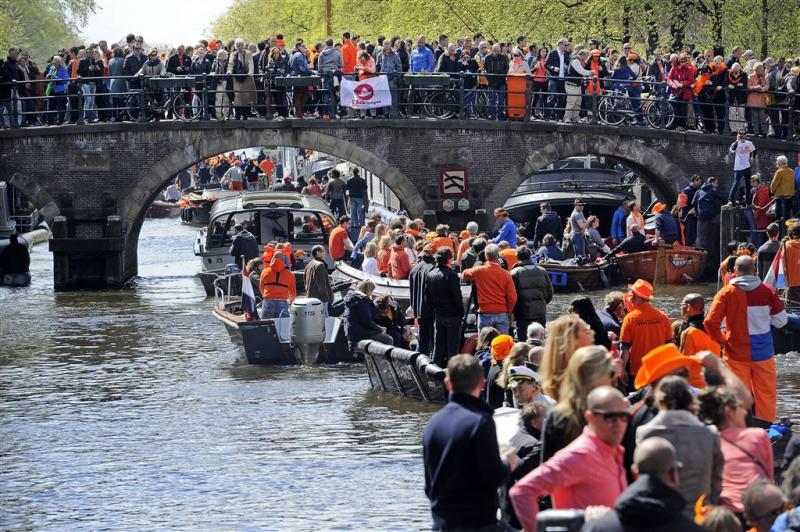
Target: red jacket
684, 76
399, 263
760, 199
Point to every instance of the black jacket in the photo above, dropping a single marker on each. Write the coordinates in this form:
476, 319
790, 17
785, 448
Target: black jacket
647, 505
9, 71
553, 64
360, 318
443, 290
548, 223
554, 434
462, 461
133, 63
633, 244
534, 290
244, 243
175, 61
417, 280
498, 65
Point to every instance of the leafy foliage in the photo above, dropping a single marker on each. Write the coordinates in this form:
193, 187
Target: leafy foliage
766, 26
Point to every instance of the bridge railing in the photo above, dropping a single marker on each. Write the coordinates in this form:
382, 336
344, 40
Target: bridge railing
641, 102
402, 372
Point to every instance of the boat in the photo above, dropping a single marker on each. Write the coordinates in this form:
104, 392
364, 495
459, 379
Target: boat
196, 202
306, 337
601, 184
398, 289
164, 209
569, 276
672, 266
275, 217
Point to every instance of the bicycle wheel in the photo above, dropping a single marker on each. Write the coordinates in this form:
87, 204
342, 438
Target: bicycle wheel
659, 114
133, 108
186, 106
441, 104
608, 111
482, 104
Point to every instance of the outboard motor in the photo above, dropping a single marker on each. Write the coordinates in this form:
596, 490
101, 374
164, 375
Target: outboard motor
307, 328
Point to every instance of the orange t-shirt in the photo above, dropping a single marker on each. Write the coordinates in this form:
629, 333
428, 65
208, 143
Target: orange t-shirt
383, 260
336, 242
693, 341
266, 167
510, 256
443, 241
349, 57
644, 329
462, 247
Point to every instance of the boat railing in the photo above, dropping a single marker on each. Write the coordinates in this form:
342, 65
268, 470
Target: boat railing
403, 372
227, 290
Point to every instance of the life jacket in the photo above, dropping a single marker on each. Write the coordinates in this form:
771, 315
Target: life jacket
277, 281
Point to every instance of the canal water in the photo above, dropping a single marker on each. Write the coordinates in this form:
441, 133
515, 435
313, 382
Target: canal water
131, 409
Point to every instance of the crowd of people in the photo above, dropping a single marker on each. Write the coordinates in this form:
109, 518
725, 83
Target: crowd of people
709, 92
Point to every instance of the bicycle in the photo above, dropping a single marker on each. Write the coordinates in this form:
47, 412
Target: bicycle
165, 94
615, 108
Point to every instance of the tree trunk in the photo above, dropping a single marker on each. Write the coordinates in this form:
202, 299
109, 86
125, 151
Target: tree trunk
652, 27
764, 28
677, 27
716, 27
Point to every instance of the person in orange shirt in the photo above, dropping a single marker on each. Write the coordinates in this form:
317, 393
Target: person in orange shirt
693, 337
508, 254
339, 245
497, 295
349, 54
466, 239
277, 287
644, 327
399, 261
413, 230
384, 254
442, 240
266, 168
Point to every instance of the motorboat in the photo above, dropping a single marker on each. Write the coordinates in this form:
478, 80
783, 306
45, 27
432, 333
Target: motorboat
164, 209
305, 337
196, 202
668, 265
601, 185
284, 217
573, 276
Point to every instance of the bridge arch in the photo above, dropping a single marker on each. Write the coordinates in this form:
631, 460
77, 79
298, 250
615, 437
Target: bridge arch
36, 194
662, 175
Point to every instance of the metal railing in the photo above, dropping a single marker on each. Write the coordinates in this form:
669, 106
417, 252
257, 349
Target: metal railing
403, 372
465, 95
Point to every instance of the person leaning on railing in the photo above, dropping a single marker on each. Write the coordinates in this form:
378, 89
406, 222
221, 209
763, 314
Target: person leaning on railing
57, 89
680, 81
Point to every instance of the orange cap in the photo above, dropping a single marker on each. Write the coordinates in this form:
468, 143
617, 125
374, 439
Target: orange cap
501, 347
464, 234
658, 207
633, 57
683, 200
642, 289
660, 362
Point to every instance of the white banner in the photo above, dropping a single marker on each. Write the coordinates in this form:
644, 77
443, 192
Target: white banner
370, 93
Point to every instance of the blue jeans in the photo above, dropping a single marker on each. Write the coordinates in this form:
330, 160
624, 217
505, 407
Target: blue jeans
498, 321
89, 106
557, 99
337, 207
274, 308
469, 102
496, 107
578, 244
738, 177
328, 100
357, 211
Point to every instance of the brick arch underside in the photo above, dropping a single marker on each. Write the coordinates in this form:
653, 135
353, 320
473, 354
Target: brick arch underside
36, 194
656, 170
155, 178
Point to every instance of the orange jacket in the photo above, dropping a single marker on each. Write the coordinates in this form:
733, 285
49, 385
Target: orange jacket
693, 341
510, 256
277, 281
496, 292
643, 329
791, 263
462, 247
349, 56
383, 260
399, 263
443, 241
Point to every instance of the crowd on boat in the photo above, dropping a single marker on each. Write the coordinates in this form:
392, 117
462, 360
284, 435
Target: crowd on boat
707, 91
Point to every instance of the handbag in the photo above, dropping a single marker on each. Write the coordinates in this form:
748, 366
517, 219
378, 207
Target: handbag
50, 88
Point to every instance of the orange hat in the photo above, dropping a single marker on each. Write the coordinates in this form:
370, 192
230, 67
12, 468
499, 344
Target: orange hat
430, 235
633, 57
299, 254
660, 362
464, 234
658, 207
642, 289
429, 248
213, 45
280, 42
683, 200
501, 347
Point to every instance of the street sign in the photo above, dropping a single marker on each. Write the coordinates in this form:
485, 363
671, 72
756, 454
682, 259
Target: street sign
463, 204
448, 205
453, 182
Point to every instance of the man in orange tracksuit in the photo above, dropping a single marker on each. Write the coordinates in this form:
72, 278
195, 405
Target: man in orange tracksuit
750, 308
496, 292
277, 287
694, 338
399, 261
644, 328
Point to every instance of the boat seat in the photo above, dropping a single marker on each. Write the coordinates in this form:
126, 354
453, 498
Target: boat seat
283, 327
332, 326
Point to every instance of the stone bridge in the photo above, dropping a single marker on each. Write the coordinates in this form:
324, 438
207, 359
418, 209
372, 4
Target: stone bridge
100, 179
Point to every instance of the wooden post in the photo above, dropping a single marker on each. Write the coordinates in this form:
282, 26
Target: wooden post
329, 18
660, 277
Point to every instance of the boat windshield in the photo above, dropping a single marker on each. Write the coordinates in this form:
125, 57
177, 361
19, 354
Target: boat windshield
273, 225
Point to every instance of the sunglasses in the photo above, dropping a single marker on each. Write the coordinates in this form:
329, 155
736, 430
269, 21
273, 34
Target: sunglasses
612, 416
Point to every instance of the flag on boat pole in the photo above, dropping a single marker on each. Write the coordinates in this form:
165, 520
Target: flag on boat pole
248, 297
776, 275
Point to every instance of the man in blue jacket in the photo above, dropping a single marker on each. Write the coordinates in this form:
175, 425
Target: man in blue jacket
618, 228
463, 468
707, 202
508, 229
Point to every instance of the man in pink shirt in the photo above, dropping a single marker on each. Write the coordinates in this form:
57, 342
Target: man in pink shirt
587, 472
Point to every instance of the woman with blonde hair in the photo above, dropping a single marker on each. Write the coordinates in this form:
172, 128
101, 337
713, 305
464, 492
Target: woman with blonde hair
384, 253
370, 264
588, 368
564, 336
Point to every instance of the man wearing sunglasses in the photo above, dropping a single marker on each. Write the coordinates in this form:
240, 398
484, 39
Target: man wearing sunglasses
587, 472
651, 503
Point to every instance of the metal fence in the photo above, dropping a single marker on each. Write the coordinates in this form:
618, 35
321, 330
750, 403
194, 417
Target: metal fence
403, 372
616, 102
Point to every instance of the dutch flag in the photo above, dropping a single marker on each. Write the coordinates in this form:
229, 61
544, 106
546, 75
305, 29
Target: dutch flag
776, 275
248, 298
